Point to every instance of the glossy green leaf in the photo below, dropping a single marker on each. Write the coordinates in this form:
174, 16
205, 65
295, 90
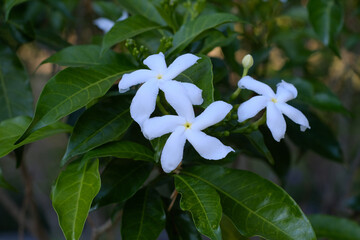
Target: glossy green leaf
327, 18
180, 226
9, 4
15, 94
158, 145
334, 228
257, 140
189, 31
128, 28
256, 206
12, 129
319, 138
4, 183
70, 90
123, 149
104, 122
81, 56
203, 202
201, 75
229, 231
143, 217
121, 180
145, 8
74, 190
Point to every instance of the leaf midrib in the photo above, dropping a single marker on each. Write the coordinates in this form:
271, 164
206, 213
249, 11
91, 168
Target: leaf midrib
142, 214
240, 203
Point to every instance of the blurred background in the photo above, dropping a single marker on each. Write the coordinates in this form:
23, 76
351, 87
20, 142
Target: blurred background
322, 174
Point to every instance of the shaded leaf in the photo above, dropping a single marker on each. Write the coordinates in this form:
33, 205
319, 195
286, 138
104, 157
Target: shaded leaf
9, 4
229, 231
15, 94
74, 190
256, 206
201, 75
12, 129
4, 183
123, 149
143, 217
180, 226
104, 122
257, 140
189, 31
203, 202
121, 180
128, 28
334, 228
70, 90
50, 39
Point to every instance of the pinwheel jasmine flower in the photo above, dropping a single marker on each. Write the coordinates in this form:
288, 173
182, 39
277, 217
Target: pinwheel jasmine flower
187, 127
160, 77
275, 105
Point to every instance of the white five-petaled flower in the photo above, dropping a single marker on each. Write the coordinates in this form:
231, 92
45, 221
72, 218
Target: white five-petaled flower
275, 105
160, 77
187, 127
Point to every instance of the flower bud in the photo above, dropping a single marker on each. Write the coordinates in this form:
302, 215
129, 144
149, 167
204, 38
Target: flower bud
247, 61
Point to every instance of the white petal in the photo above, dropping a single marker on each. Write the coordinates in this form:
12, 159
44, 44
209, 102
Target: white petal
134, 78
285, 91
180, 64
194, 93
213, 114
104, 24
176, 96
158, 126
275, 121
124, 16
256, 86
295, 115
156, 62
208, 147
143, 103
251, 107
173, 150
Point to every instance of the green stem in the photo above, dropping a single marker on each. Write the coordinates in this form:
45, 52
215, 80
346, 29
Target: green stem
260, 121
238, 90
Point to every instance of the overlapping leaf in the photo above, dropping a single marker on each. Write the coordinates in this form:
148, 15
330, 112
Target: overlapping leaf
180, 226
143, 217
12, 129
74, 190
104, 122
70, 90
203, 202
4, 183
255, 205
9, 4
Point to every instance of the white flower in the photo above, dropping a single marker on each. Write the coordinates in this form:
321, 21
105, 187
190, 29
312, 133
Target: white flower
187, 127
106, 24
178, 94
275, 105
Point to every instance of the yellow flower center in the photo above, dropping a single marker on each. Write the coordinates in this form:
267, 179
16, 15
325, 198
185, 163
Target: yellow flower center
187, 125
274, 100
159, 76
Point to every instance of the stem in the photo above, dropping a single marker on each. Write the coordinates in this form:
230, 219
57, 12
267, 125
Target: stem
260, 121
238, 90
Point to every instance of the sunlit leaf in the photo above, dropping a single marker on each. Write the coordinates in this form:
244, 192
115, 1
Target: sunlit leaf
256, 206
334, 228
144, 216
74, 190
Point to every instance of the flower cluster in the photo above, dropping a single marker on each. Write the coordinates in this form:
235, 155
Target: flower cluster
181, 96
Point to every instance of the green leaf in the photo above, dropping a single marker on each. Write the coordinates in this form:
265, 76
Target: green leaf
50, 39
70, 90
257, 140
217, 39
104, 122
201, 75
158, 145
128, 28
81, 56
144, 216
180, 226
319, 138
327, 18
121, 180
12, 129
189, 31
15, 94
123, 149
229, 231
4, 183
203, 202
334, 228
144, 8
9, 4
74, 190
256, 206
